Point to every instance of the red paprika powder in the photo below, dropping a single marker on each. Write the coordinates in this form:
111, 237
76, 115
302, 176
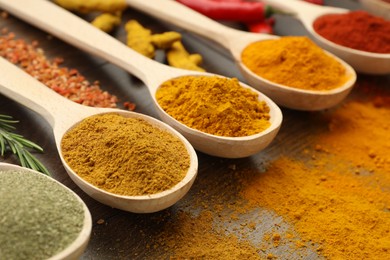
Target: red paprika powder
357, 29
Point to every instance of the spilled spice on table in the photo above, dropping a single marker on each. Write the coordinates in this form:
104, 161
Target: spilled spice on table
339, 200
199, 240
333, 199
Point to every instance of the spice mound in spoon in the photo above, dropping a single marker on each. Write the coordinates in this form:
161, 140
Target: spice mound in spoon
39, 217
358, 30
296, 62
214, 105
125, 156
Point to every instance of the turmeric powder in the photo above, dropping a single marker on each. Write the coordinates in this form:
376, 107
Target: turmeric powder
87, 6
215, 105
126, 156
106, 22
178, 57
340, 198
331, 201
294, 62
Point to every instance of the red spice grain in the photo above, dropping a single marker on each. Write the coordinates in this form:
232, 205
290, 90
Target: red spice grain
67, 82
356, 29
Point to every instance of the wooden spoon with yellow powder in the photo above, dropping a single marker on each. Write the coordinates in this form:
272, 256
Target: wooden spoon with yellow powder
362, 61
301, 97
64, 116
80, 33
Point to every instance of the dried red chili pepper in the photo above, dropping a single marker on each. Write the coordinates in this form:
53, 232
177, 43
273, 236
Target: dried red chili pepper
317, 2
265, 26
229, 1
240, 11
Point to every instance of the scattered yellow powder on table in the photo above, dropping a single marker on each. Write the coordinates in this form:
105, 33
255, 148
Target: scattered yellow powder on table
341, 200
195, 238
338, 211
360, 133
327, 206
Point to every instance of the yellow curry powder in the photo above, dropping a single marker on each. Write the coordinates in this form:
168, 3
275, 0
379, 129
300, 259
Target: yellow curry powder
195, 238
215, 105
294, 62
334, 197
126, 156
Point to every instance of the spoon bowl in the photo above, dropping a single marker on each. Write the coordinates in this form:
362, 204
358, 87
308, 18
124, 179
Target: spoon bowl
63, 114
236, 41
80, 33
299, 99
361, 61
77, 247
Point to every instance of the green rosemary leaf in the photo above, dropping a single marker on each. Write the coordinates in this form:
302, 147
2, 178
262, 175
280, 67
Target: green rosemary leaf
2, 145
5, 122
26, 142
18, 145
21, 156
11, 144
37, 164
27, 156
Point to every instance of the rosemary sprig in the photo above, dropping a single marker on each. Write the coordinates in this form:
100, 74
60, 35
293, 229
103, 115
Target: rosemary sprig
19, 145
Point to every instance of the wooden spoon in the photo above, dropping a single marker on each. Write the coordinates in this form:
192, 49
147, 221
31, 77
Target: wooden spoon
361, 61
77, 247
63, 114
80, 33
235, 41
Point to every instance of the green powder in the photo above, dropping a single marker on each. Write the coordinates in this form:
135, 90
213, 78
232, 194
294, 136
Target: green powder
38, 217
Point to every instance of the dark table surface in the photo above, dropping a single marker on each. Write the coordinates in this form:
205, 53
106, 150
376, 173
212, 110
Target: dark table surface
125, 235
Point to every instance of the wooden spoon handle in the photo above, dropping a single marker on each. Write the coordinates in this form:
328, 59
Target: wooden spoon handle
74, 30
21, 87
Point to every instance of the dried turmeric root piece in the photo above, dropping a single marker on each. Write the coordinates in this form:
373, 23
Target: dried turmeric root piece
139, 38
165, 40
86, 6
106, 22
178, 57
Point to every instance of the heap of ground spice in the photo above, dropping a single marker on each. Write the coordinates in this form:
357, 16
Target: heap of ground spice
70, 83
295, 62
333, 199
356, 29
39, 218
126, 156
214, 105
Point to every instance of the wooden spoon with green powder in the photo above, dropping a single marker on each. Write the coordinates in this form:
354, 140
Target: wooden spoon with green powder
63, 115
80, 33
40, 217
